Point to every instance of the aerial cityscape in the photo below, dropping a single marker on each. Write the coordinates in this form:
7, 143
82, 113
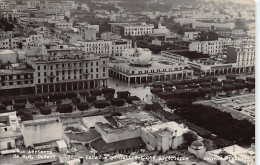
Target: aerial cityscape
127, 82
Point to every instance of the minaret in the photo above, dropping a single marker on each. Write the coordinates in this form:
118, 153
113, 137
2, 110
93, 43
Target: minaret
136, 53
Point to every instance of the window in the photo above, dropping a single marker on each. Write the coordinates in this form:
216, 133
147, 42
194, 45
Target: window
104, 69
44, 67
57, 78
96, 75
45, 73
45, 80
39, 67
18, 77
69, 72
86, 65
51, 67
11, 83
57, 65
104, 62
104, 74
91, 70
97, 63
96, 69
39, 80
91, 75
91, 63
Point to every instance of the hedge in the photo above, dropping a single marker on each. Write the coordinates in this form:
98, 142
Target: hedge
64, 108
45, 110
83, 106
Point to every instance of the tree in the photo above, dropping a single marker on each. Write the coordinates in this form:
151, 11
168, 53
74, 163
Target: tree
71, 95
7, 101
39, 104
84, 93
100, 104
118, 102
59, 96
178, 103
156, 90
95, 92
64, 108
34, 98
75, 100
2, 109
20, 99
189, 137
19, 106
67, 19
130, 99
123, 94
107, 91
83, 106
45, 110
91, 99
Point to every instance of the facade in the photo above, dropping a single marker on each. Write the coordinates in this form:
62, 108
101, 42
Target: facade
110, 36
161, 29
10, 133
89, 26
163, 137
73, 71
88, 34
120, 45
5, 34
219, 46
38, 131
212, 26
63, 25
8, 56
97, 46
242, 56
136, 29
134, 54
140, 71
189, 36
16, 80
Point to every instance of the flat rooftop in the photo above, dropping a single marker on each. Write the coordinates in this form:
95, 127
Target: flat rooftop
84, 136
102, 147
188, 54
41, 121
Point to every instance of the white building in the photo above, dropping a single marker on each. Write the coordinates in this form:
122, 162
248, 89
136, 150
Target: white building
134, 54
242, 55
189, 36
161, 29
8, 56
110, 36
38, 131
10, 133
163, 136
218, 46
63, 25
212, 26
91, 121
97, 46
125, 29
120, 45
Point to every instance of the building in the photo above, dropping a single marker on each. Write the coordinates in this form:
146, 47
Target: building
17, 80
8, 56
88, 26
97, 46
136, 29
218, 46
6, 34
10, 133
126, 29
120, 45
36, 133
135, 54
66, 70
231, 155
197, 148
110, 36
212, 26
189, 36
91, 121
242, 56
63, 25
88, 34
205, 64
164, 136
141, 71
161, 29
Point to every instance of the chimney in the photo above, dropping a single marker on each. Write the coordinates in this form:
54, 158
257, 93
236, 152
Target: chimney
81, 160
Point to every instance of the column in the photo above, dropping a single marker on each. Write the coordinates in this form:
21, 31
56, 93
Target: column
54, 87
66, 87
83, 85
94, 83
48, 88
78, 85
72, 84
36, 90
128, 82
88, 84
42, 88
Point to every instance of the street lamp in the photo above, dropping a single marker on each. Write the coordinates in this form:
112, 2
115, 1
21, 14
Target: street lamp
48, 100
